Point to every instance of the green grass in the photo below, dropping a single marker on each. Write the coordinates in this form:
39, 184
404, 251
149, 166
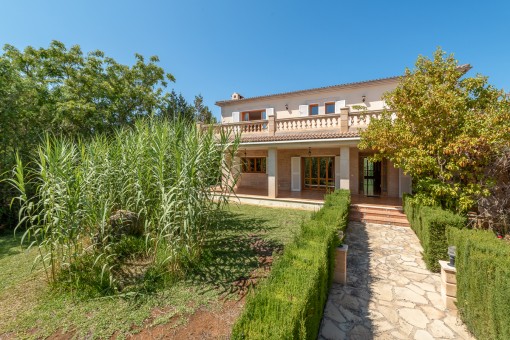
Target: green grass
30, 308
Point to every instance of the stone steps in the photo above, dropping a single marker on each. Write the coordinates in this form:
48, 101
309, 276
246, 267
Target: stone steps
368, 213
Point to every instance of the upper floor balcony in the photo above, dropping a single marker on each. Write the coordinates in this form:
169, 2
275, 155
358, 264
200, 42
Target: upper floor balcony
344, 123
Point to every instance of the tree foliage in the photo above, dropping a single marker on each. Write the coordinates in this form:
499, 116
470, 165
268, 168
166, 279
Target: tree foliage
443, 129
62, 91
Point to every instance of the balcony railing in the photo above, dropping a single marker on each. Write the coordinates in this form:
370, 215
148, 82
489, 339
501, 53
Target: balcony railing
250, 127
343, 122
362, 119
322, 122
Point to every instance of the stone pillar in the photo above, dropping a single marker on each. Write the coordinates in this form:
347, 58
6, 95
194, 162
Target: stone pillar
340, 274
272, 172
404, 183
344, 167
448, 285
344, 119
236, 171
271, 125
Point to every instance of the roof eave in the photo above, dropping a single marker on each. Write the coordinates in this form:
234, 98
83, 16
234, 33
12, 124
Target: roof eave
222, 103
464, 68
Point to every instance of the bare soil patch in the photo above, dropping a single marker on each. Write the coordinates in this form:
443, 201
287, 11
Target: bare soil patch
203, 324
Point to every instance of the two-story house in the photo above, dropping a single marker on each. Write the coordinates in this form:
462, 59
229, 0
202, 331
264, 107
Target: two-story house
303, 143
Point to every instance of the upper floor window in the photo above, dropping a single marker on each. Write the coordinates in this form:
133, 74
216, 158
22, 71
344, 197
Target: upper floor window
253, 115
330, 107
313, 109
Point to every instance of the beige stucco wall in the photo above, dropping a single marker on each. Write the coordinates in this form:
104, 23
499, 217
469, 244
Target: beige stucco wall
392, 180
354, 171
352, 96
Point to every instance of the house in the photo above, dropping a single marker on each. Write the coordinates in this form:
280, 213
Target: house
303, 143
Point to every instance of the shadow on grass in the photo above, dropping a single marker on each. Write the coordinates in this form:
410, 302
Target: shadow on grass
236, 249
9, 245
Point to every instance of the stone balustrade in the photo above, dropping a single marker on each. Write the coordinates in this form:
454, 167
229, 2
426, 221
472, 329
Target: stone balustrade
361, 119
254, 126
322, 122
344, 121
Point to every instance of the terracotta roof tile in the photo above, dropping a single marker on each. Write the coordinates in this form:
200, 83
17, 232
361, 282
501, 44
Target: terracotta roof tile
300, 136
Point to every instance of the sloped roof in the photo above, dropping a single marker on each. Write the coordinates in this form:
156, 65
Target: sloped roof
339, 86
464, 68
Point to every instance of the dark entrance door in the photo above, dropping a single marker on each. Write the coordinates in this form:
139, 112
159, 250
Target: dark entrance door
371, 179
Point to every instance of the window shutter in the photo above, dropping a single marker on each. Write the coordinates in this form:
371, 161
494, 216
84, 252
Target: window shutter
235, 117
303, 110
338, 105
337, 172
295, 173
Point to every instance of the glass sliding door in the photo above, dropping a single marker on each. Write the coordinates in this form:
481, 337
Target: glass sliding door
371, 177
318, 173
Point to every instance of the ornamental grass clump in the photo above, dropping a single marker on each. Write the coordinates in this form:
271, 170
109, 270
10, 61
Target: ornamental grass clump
124, 211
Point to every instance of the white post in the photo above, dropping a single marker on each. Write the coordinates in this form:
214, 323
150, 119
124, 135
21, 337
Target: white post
295, 174
344, 167
272, 173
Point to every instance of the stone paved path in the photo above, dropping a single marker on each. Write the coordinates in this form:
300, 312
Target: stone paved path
389, 293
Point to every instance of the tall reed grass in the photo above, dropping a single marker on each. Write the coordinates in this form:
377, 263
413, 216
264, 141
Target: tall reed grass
172, 175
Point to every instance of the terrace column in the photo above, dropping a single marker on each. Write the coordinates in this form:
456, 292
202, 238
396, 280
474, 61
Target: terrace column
271, 121
272, 172
271, 125
344, 167
344, 119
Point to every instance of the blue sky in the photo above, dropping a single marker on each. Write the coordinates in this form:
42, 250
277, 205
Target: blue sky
261, 47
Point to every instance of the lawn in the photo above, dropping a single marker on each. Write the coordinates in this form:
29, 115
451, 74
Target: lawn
236, 256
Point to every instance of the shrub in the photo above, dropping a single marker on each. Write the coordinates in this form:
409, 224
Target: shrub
146, 187
429, 224
290, 303
483, 277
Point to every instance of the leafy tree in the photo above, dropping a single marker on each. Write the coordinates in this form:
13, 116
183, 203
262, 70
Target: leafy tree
202, 112
63, 91
443, 129
178, 108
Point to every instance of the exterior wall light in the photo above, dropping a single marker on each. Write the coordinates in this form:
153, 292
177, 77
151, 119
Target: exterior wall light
309, 152
452, 253
363, 98
286, 106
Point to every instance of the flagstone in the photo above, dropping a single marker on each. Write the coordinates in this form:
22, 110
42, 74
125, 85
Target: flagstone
423, 335
439, 330
390, 294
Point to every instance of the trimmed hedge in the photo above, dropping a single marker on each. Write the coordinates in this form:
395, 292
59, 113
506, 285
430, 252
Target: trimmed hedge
290, 303
430, 224
483, 282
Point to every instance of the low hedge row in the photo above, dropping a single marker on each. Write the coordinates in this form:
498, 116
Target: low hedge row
483, 282
290, 303
430, 224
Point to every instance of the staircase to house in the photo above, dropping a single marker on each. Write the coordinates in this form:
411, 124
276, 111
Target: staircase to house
381, 214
